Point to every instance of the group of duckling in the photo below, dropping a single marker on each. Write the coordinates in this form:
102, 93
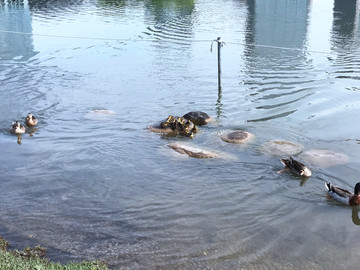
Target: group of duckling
18, 128
185, 126
180, 125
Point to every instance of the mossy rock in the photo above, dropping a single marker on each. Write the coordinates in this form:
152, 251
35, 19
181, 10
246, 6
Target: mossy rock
237, 136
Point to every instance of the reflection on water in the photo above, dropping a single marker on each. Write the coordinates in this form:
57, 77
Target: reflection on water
108, 188
355, 215
15, 16
345, 20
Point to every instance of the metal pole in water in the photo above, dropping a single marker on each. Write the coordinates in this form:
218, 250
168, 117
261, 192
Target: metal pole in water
219, 43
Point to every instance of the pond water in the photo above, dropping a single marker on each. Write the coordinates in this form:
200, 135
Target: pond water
90, 185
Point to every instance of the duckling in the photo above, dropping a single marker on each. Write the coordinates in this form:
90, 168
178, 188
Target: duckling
31, 120
344, 196
17, 128
185, 127
296, 167
169, 122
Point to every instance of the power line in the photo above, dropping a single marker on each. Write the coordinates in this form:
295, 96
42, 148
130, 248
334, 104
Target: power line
159, 40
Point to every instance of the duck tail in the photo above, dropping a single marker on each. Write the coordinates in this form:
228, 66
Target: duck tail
285, 162
328, 186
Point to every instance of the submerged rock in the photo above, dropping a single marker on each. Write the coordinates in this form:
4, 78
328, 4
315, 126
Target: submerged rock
163, 126
324, 158
157, 128
100, 115
103, 111
198, 118
281, 148
238, 136
191, 151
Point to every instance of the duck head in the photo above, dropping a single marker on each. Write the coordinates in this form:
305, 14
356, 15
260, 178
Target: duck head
357, 189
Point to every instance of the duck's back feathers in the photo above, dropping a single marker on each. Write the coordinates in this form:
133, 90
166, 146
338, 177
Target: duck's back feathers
296, 167
339, 194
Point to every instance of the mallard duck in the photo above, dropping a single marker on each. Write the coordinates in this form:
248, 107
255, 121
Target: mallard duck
17, 128
344, 196
296, 167
31, 120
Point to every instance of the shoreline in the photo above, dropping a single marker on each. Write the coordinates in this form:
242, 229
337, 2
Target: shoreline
35, 257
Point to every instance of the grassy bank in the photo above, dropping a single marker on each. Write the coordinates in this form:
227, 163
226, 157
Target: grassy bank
34, 259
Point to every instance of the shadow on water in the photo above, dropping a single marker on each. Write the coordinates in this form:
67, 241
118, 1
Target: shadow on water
170, 20
273, 73
355, 215
16, 17
53, 4
345, 23
23, 76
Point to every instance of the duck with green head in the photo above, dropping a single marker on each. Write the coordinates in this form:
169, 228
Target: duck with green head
344, 196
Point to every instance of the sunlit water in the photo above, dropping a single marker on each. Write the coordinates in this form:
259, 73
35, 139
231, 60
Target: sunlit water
87, 185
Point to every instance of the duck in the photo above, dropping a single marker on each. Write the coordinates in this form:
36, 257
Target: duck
296, 167
344, 196
17, 128
31, 120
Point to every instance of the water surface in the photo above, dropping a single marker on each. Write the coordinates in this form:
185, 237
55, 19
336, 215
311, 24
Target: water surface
89, 186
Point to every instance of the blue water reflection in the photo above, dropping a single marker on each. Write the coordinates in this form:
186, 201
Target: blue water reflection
88, 185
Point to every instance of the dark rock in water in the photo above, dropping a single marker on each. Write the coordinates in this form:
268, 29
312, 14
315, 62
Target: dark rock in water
198, 118
191, 151
238, 136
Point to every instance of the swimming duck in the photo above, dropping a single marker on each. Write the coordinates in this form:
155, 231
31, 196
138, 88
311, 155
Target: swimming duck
344, 196
17, 128
296, 167
31, 120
